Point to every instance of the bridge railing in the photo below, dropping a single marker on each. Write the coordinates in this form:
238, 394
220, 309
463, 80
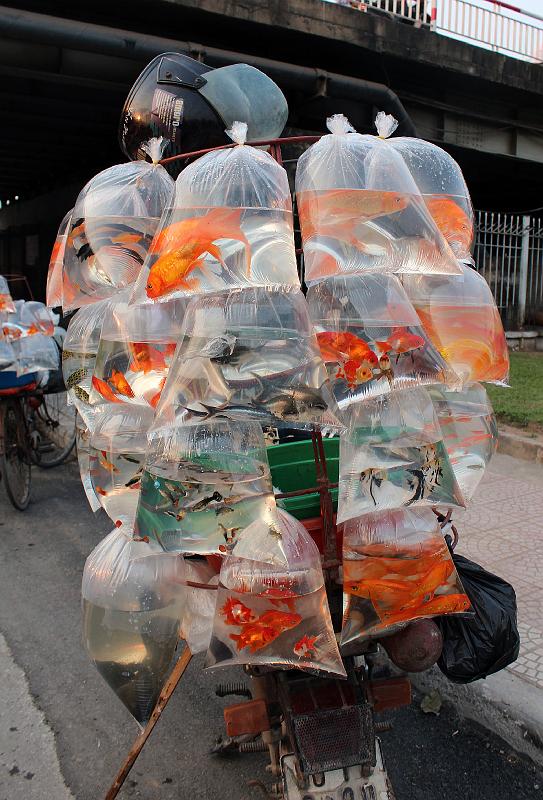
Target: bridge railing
509, 253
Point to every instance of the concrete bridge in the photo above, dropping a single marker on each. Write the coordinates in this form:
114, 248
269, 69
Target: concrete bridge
65, 72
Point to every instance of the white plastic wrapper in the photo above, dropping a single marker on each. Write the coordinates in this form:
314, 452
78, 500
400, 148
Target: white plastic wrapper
275, 615
55, 274
230, 225
361, 210
6, 301
393, 456
7, 354
249, 354
83, 459
113, 223
133, 602
197, 623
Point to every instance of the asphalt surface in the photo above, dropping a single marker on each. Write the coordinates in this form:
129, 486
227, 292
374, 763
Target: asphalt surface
60, 723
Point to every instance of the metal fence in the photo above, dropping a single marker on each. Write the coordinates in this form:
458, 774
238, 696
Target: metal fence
509, 253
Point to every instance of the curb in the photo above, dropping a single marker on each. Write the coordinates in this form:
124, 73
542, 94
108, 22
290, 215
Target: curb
505, 704
518, 446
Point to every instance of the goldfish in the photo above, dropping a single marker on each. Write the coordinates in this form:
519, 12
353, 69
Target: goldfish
265, 630
106, 463
343, 345
104, 390
170, 348
181, 246
281, 595
236, 613
153, 402
401, 341
101, 492
385, 367
146, 358
453, 222
119, 382
305, 647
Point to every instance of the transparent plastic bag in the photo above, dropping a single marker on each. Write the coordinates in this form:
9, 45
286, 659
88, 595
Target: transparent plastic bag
275, 616
441, 183
360, 209
370, 338
29, 318
36, 353
461, 318
117, 454
470, 432
230, 226
83, 459
137, 345
55, 273
203, 484
201, 598
7, 354
394, 456
249, 354
6, 301
113, 223
396, 568
133, 600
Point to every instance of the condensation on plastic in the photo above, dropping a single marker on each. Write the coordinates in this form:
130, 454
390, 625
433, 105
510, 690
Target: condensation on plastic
249, 354
239, 91
197, 622
137, 345
394, 456
360, 209
54, 290
113, 223
29, 317
470, 432
370, 338
6, 301
203, 484
461, 318
276, 616
83, 458
133, 602
36, 353
229, 226
396, 568
443, 189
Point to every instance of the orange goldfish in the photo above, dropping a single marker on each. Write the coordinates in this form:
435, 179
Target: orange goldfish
105, 390
265, 629
337, 346
153, 402
322, 212
169, 350
119, 382
101, 492
281, 595
236, 613
106, 463
305, 647
146, 358
401, 341
181, 246
446, 604
452, 221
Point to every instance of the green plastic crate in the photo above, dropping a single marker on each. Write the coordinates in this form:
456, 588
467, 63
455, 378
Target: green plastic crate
293, 467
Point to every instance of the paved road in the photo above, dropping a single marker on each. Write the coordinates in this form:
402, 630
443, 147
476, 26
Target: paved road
63, 734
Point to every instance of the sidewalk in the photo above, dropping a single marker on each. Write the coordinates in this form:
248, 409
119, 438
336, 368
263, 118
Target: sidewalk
503, 531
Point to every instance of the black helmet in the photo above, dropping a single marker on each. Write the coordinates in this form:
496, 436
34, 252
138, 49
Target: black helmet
191, 105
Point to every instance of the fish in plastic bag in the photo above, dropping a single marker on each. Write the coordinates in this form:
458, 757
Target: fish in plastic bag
137, 345
201, 598
83, 459
116, 457
30, 317
470, 432
203, 484
360, 209
133, 601
275, 615
370, 338
113, 223
229, 225
396, 568
393, 456
36, 353
443, 189
249, 354
6, 301
55, 273
461, 318
7, 354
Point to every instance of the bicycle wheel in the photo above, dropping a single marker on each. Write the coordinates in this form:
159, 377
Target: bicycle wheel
15, 460
54, 421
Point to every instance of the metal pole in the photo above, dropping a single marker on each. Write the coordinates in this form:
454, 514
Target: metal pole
523, 278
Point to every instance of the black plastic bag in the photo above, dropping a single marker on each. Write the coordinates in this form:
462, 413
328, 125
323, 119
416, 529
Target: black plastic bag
486, 642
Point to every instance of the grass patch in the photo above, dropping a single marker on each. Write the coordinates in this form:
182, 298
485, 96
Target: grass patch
522, 404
